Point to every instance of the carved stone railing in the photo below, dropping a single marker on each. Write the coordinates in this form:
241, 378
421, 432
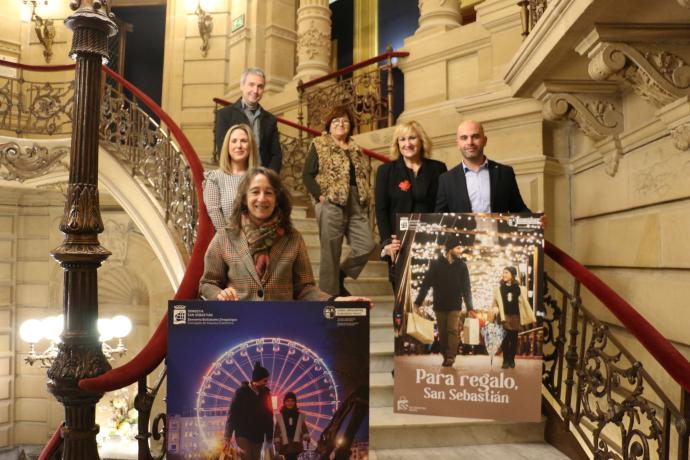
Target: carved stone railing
368, 94
601, 389
530, 12
140, 143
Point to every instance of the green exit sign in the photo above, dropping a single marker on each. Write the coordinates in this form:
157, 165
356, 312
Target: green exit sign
237, 23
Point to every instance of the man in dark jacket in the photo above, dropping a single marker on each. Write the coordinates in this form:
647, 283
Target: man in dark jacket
477, 184
247, 110
251, 415
449, 277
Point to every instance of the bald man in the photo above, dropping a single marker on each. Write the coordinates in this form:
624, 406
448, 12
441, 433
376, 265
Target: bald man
477, 184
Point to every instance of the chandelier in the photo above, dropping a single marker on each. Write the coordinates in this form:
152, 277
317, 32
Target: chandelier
33, 331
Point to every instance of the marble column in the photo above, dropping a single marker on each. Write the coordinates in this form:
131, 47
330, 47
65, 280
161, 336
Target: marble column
313, 39
440, 15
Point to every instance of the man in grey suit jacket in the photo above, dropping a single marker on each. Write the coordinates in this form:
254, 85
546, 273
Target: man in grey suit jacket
247, 110
477, 184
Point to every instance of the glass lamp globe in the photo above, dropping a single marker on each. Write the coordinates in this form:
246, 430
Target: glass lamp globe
105, 329
121, 326
31, 331
52, 327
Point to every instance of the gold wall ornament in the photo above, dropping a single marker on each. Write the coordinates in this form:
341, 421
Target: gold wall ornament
44, 28
30, 161
205, 22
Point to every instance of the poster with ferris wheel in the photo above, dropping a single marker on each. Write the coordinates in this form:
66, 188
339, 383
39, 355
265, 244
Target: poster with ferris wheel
258, 357
469, 323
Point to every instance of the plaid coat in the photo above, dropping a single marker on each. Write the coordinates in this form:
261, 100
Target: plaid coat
288, 275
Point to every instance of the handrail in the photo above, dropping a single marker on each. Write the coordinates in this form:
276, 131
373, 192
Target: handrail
656, 344
312, 131
381, 57
37, 68
153, 353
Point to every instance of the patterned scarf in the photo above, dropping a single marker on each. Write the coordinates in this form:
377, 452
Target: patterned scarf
260, 239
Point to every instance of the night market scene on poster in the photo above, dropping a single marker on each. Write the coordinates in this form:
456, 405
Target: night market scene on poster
295, 373
467, 319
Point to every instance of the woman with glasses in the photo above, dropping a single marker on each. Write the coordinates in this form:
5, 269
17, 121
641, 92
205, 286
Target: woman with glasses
336, 174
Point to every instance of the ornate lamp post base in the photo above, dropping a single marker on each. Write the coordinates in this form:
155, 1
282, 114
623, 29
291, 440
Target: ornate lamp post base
80, 353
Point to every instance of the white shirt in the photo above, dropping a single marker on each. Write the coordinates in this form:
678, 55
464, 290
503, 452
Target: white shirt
479, 187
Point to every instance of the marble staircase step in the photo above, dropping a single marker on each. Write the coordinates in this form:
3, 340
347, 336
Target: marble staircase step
305, 224
508, 451
404, 431
370, 286
298, 212
381, 329
373, 268
381, 389
380, 357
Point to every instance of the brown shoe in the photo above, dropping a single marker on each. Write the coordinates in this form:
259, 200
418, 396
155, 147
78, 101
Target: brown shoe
448, 362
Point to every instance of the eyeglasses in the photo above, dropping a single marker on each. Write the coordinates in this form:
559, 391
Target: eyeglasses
340, 121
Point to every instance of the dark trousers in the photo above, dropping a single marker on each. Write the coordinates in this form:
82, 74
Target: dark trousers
509, 346
250, 450
335, 223
448, 336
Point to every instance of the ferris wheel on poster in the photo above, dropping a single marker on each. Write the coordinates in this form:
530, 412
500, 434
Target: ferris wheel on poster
292, 367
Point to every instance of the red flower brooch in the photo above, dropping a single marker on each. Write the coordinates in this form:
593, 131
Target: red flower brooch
405, 185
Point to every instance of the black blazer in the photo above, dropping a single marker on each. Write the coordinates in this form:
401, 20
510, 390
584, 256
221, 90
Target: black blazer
270, 154
391, 199
505, 196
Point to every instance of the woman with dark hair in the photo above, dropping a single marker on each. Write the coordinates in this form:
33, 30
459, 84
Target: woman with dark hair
238, 154
260, 255
510, 301
406, 185
336, 174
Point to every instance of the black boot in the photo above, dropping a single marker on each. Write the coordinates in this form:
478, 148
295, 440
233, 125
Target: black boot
341, 283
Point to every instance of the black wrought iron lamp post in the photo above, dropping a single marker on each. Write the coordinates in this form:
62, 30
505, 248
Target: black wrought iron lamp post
80, 254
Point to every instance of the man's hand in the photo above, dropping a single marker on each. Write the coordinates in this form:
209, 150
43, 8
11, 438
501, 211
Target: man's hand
229, 293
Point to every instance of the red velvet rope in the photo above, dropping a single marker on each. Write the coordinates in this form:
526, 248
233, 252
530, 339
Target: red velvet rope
52, 444
312, 131
37, 68
656, 344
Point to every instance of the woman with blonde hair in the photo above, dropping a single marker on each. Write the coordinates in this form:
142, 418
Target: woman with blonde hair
406, 185
238, 154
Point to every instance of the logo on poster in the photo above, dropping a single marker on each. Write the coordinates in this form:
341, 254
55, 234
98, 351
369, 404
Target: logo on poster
329, 312
403, 403
179, 314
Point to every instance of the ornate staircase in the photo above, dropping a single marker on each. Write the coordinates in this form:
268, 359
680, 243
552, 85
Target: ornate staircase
595, 390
